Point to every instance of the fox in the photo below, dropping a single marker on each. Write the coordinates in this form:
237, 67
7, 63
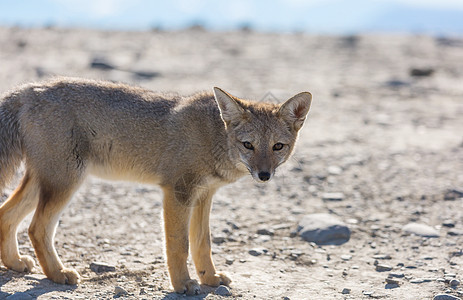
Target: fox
64, 129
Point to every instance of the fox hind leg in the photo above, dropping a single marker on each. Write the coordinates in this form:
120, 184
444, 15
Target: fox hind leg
52, 200
23, 201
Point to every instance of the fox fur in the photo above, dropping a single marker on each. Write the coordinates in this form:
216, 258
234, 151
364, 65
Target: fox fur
65, 129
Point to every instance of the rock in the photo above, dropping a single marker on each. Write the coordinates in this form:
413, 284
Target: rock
420, 280
119, 291
257, 251
453, 194
346, 257
229, 261
390, 280
101, 267
102, 64
20, 296
455, 232
420, 230
346, 291
265, 231
454, 282
333, 196
445, 297
222, 290
421, 72
219, 239
323, 229
448, 223
383, 268
397, 275
382, 256
334, 170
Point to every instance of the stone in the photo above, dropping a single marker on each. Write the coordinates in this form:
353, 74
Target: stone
383, 268
265, 231
229, 260
390, 280
323, 229
20, 296
119, 291
222, 290
454, 282
420, 230
257, 251
445, 297
455, 232
346, 291
333, 196
101, 267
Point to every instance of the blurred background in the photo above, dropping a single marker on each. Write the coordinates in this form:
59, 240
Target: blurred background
315, 16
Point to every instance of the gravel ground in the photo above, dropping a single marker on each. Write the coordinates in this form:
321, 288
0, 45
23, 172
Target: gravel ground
384, 135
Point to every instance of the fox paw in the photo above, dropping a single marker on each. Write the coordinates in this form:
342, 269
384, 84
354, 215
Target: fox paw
25, 263
190, 287
216, 280
65, 276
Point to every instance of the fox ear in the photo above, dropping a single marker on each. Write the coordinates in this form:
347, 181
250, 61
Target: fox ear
230, 110
294, 110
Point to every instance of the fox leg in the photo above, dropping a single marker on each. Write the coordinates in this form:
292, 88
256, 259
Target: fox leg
200, 243
23, 201
52, 201
176, 220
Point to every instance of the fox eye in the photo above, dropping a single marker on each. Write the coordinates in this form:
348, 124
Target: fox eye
248, 145
278, 147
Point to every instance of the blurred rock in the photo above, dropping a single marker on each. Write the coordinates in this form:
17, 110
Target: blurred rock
333, 196
101, 64
420, 230
222, 290
445, 297
101, 267
323, 229
421, 72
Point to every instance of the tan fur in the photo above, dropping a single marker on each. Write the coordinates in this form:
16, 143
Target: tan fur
65, 129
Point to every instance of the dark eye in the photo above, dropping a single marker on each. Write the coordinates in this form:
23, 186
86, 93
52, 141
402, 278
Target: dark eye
278, 147
248, 145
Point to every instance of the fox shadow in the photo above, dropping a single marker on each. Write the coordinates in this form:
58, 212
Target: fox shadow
38, 286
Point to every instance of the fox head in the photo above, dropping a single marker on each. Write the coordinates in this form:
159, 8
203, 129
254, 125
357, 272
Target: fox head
262, 135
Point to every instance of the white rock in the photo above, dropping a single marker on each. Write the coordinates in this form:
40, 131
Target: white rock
420, 230
222, 290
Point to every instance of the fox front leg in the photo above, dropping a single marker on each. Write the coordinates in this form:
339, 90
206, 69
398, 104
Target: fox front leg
176, 218
200, 242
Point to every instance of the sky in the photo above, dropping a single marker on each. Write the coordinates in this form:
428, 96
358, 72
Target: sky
316, 16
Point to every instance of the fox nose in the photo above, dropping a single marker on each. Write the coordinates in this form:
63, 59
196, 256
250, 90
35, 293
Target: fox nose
264, 176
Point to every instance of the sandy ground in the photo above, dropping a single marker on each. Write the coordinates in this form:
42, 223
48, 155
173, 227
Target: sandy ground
392, 143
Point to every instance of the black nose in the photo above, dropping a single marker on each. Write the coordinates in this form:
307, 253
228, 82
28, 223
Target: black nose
264, 176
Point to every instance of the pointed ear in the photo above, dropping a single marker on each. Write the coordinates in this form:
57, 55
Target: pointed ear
294, 110
230, 110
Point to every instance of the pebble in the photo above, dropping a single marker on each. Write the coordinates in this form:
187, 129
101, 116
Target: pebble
420, 230
19, 296
382, 256
454, 282
101, 267
383, 268
455, 232
445, 297
392, 281
119, 291
448, 223
257, 251
265, 231
346, 291
334, 170
420, 280
333, 196
229, 261
219, 239
346, 257
397, 275
323, 229
222, 290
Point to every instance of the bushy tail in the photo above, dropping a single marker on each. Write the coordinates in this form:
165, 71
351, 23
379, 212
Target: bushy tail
10, 139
